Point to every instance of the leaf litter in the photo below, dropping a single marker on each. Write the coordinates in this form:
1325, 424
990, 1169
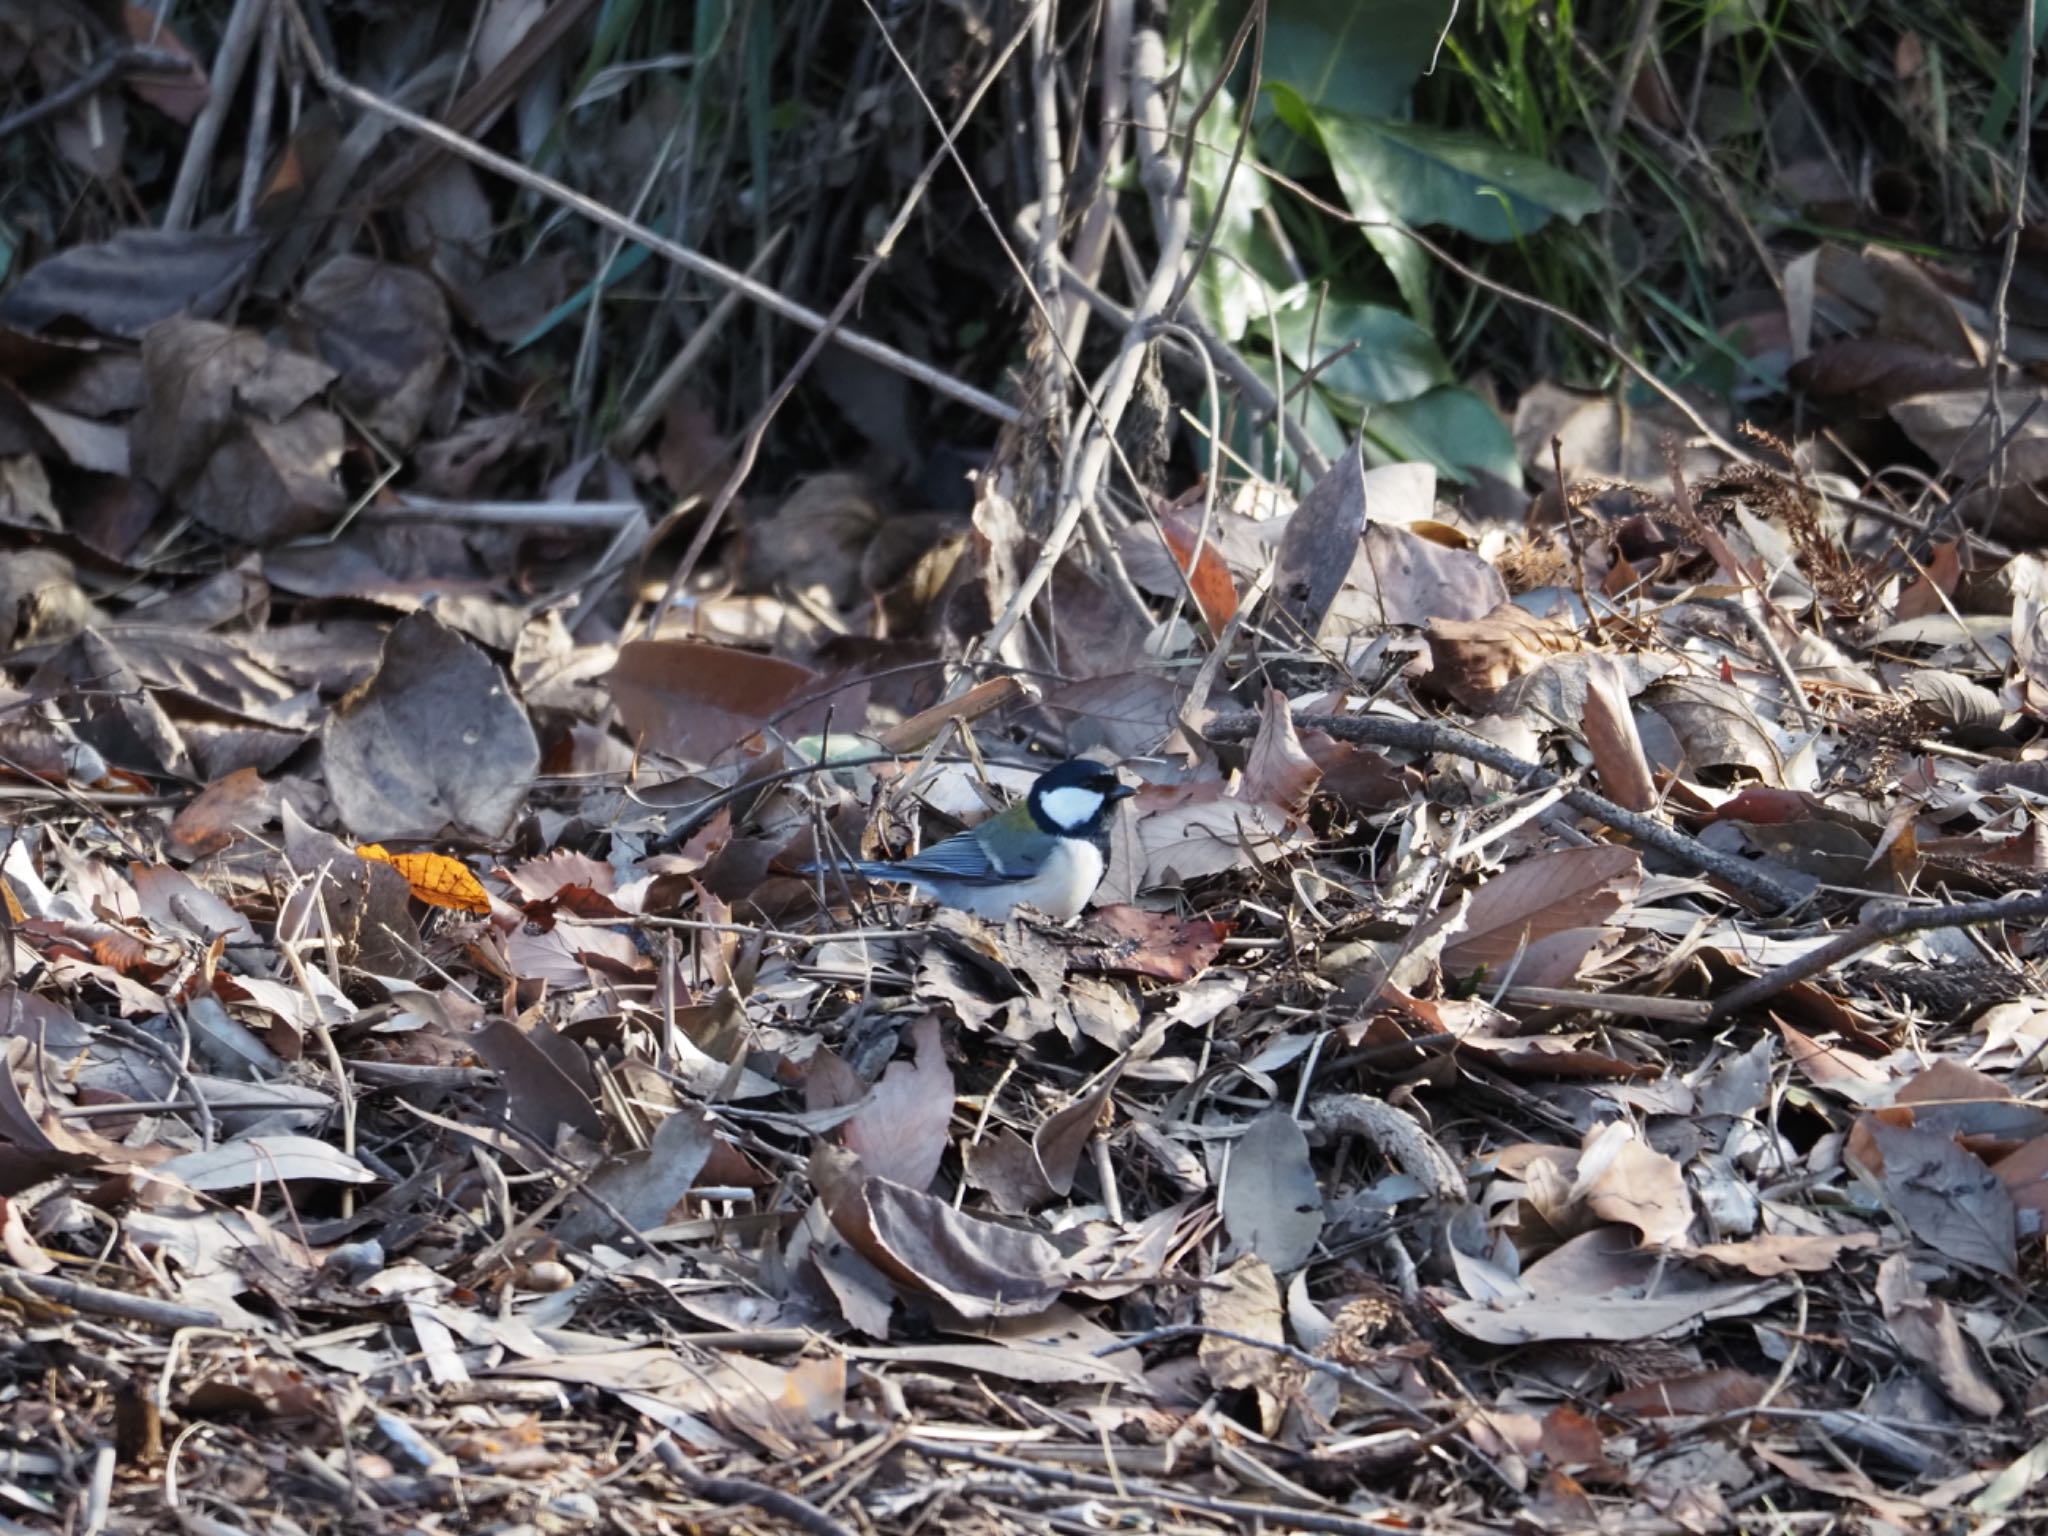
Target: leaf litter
433, 1088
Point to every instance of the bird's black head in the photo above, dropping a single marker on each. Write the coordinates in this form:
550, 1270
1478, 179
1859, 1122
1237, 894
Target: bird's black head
1076, 797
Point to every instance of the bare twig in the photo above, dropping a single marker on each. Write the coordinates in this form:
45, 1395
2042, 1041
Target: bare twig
336, 84
2023, 135
118, 61
1091, 243
256, 153
1429, 736
1888, 921
1254, 24
640, 420
1252, 1513
827, 331
1084, 477
104, 1303
1258, 393
236, 40
1045, 128
744, 1491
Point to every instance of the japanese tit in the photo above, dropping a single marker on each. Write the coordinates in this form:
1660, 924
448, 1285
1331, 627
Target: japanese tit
1048, 851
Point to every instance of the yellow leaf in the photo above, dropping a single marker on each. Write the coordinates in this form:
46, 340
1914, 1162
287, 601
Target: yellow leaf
437, 879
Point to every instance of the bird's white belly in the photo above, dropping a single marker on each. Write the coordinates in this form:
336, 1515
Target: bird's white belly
1060, 889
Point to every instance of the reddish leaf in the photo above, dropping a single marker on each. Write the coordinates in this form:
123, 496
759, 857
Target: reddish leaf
1208, 575
1156, 944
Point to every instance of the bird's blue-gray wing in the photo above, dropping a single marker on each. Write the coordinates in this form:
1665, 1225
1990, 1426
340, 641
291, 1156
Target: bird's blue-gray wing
960, 859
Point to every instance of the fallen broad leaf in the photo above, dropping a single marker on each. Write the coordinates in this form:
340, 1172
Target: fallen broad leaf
434, 741
263, 1160
1272, 1205
435, 878
901, 1131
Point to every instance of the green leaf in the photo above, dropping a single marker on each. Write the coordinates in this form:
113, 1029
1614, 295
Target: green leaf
1426, 176
1226, 291
1999, 112
707, 29
1451, 428
1409, 263
1393, 359
1352, 55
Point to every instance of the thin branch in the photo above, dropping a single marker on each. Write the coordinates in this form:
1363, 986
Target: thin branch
1254, 1514
640, 420
1254, 23
828, 331
105, 1303
118, 61
1079, 487
2023, 134
1231, 363
337, 84
1091, 244
256, 153
1429, 736
245, 23
1886, 922
731, 1491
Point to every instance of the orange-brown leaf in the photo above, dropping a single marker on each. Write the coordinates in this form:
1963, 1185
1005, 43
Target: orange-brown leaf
1208, 576
223, 810
435, 878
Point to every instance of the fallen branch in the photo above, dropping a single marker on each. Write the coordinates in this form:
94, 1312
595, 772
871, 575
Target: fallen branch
1886, 922
730, 1491
104, 1303
1430, 736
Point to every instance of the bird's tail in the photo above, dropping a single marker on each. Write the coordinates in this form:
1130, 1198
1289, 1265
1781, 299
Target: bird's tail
865, 869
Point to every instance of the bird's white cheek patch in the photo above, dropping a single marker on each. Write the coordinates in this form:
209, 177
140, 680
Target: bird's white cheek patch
1070, 806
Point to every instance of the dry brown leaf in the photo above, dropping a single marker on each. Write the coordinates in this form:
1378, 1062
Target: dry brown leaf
1277, 771
1947, 1198
1716, 726
1807, 1253
1552, 893
225, 810
643, 1187
979, 1268
1473, 659
1609, 725
1191, 830
1622, 1179
434, 742
1400, 578
1208, 575
693, 701
1699, 1392
1318, 545
901, 1131
130, 282
436, 878
1243, 1299
1930, 1335
1271, 1204
1160, 945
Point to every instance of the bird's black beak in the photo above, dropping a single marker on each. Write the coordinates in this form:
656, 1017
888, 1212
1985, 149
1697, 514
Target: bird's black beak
1120, 792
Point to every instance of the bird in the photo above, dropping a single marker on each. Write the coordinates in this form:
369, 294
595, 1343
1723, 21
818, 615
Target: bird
1049, 851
